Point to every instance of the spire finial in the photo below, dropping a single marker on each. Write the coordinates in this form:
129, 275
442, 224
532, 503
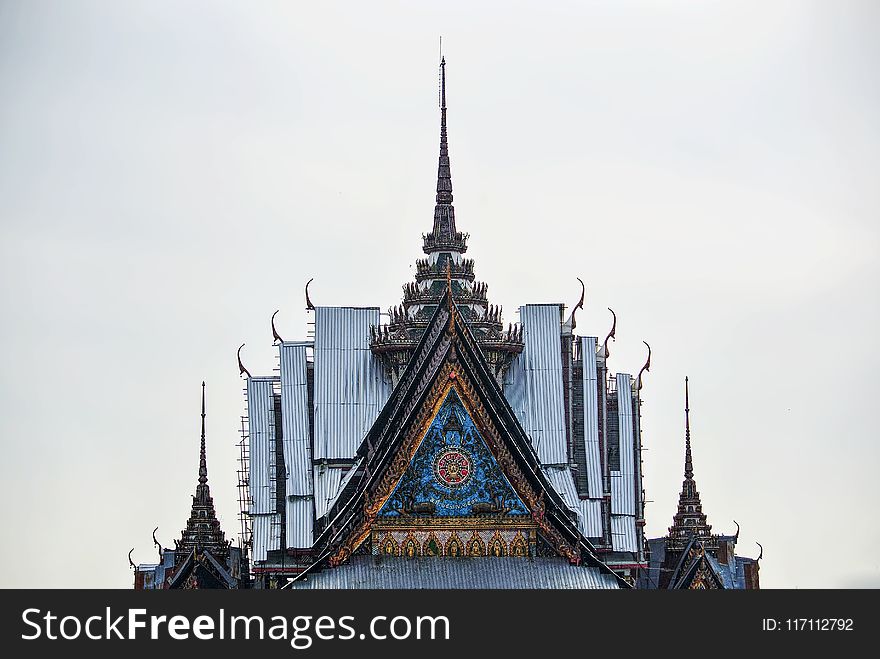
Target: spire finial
443, 84
203, 463
444, 175
688, 459
444, 235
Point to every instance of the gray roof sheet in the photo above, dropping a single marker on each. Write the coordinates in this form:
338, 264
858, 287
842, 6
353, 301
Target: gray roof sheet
451, 573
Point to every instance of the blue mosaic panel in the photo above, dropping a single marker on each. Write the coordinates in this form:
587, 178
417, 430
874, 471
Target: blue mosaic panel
453, 474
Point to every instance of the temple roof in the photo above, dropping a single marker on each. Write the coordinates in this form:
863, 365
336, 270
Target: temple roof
448, 351
454, 573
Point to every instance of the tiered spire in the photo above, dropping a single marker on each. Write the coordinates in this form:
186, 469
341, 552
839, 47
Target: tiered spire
689, 521
203, 530
444, 247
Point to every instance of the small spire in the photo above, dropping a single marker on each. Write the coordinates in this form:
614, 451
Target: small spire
203, 462
202, 528
688, 458
690, 520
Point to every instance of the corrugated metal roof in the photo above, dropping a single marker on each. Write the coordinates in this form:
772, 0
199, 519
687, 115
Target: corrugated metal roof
591, 417
295, 418
623, 533
344, 482
300, 520
267, 535
534, 382
299, 507
327, 480
623, 481
590, 520
561, 480
589, 513
261, 431
350, 388
453, 573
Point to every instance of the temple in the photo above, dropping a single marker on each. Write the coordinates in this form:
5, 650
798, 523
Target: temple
437, 448
691, 556
202, 557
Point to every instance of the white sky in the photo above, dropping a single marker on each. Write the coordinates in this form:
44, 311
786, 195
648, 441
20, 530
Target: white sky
173, 172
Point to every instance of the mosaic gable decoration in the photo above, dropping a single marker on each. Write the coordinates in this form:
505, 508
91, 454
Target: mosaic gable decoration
453, 474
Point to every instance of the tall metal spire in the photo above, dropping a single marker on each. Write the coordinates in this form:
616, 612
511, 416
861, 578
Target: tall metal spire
444, 175
688, 458
444, 234
203, 462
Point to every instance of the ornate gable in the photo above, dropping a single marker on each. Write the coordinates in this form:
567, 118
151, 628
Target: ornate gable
200, 570
453, 473
695, 571
448, 470
453, 499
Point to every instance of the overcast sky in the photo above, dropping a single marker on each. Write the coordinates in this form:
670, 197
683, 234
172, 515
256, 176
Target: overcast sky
173, 172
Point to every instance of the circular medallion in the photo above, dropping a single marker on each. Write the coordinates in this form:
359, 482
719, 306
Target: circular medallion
452, 467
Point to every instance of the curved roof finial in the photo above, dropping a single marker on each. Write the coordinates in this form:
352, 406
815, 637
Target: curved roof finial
130, 562
156, 542
275, 334
736, 537
646, 367
610, 334
309, 305
761, 555
579, 305
241, 369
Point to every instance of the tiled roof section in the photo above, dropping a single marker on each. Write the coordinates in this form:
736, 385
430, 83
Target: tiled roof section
454, 573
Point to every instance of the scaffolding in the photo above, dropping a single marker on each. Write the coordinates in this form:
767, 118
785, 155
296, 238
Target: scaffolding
246, 537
